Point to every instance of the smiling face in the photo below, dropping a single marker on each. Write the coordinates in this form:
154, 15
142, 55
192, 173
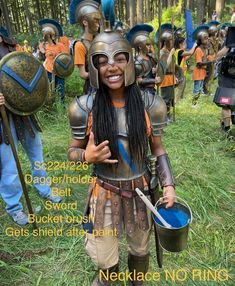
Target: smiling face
112, 70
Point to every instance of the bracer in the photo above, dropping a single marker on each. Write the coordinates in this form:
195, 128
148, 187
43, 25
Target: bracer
76, 154
164, 171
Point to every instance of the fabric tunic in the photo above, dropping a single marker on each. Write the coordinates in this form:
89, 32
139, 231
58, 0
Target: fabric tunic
199, 73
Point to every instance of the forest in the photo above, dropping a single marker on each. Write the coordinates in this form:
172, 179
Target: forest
202, 159
22, 16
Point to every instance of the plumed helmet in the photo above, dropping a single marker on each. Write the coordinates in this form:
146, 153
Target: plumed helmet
139, 35
108, 9
213, 27
200, 32
166, 32
109, 44
179, 32
51, 26
80, 9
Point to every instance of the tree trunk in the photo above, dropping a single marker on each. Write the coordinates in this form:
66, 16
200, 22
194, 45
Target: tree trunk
200, 10
38, 9
211, 9
140, 10
52, 6
132, 12
5, 13
28, 16
220, 5
147, 11
128, 12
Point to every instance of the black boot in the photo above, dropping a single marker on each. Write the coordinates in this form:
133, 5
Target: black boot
103, 278
140, 264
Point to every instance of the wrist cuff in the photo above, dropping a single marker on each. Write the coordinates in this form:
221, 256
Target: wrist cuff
164, 171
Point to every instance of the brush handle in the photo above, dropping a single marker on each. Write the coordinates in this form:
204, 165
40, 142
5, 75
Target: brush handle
152, 208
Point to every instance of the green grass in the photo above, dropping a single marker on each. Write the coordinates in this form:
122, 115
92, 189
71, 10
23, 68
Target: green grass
203, 164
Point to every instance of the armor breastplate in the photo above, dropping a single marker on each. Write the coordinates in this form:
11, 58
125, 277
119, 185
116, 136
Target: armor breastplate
125, 169
147, 66
213, 46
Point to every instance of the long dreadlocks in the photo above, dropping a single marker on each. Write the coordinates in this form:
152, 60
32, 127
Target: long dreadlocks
105, 121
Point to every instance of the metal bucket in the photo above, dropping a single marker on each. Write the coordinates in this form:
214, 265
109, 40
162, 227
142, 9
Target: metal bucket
179, 217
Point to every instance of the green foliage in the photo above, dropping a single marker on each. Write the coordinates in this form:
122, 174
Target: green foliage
168, 15
74, 84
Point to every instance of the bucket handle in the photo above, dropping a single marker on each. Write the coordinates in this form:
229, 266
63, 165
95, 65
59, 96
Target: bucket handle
191, 214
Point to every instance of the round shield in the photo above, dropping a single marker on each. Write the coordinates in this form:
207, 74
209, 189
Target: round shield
23, 82
63, 65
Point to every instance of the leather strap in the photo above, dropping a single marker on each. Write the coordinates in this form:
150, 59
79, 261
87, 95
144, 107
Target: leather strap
123, 193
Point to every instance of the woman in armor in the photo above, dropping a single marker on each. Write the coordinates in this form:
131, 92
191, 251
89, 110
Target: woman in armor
112, 129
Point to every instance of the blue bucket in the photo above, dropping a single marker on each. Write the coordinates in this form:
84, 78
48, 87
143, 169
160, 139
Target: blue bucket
179, 217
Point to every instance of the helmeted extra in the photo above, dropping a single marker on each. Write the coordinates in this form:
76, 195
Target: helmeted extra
138, 37
126, 174
213, 37
51, 27
167, 31
80, 10
198, 34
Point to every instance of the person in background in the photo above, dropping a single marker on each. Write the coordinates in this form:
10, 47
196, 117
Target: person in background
26, 130
200, 34
87, 13
50, 48
167, 56
214, 16
181, 56
145, 61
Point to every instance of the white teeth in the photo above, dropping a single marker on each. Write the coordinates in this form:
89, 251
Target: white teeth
115, 77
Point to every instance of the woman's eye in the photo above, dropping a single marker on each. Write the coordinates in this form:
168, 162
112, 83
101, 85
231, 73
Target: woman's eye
103, 62
121, 59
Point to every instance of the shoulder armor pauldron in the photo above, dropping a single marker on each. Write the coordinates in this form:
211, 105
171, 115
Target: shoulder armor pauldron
156, 109
79, 111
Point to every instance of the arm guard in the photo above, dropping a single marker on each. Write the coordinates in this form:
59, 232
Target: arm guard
164, 171
79, 110
76, 154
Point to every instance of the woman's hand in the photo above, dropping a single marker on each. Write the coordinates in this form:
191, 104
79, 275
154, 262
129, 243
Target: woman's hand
169, 196
98, 154
2, 99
